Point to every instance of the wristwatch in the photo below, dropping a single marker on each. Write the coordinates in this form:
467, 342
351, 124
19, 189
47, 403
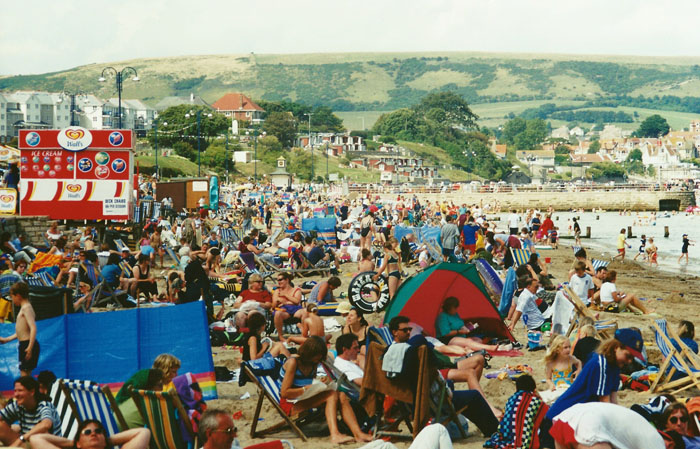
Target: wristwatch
21, 438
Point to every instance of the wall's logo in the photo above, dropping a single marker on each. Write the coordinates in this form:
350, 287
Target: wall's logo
116, 139
32, 139
74, 188
118, 165
84, 165
74, 139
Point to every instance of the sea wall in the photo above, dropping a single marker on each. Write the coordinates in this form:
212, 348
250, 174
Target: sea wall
607, 200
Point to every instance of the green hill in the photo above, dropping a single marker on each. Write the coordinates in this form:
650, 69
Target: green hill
386, 81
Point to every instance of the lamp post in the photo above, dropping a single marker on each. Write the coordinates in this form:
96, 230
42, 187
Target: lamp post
312, 147
155, 129
198, 114
327, 178
73, 121
119, 75
226, 157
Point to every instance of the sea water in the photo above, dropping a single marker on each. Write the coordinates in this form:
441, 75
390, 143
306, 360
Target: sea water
606, 226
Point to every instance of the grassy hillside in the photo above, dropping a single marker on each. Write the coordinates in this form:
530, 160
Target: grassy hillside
385, 81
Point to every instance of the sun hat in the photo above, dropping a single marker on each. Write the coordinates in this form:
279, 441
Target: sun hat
343, 307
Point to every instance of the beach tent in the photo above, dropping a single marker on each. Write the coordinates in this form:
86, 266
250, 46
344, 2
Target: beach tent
420, 298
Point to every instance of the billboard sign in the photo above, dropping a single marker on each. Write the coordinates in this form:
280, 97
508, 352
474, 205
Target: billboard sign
76, 173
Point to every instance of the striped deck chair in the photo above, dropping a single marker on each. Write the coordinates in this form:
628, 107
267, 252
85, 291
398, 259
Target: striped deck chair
45, 278
606, 328
227, 236
69, 420
127, 271
576, 248
164, 416
101, 291
34, 281
381, 335
90, 401
121, 246
597, 263
6, 282
172, 254
269, 388
434, 249
520, 256
677, 358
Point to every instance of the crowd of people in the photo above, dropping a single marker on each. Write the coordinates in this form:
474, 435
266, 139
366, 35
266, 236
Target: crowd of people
225, 258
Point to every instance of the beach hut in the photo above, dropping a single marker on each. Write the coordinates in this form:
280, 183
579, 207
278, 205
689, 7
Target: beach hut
420, 298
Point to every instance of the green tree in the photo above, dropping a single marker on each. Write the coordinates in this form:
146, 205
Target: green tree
215, 157
594, 147
535, 132
269, 150
512, 128
300, 163
456, 109
283, 126
562, 149
653, 126
325, 121
403, 124
185, 150
182, 126
635, 155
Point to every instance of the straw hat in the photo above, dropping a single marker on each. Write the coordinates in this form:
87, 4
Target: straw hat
343, 307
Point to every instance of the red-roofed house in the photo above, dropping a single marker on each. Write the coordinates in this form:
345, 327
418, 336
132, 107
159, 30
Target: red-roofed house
238, 106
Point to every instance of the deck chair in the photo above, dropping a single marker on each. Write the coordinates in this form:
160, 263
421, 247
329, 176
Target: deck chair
434, 249
681, 360
45, 278
344, 385
127, 271
381, 335
164, 416
88, 400
576, 248
597, 263
248, 262
269, 388
6, 282
520, 256
606, 328
121, 246
172, 254
101, 291
69, 420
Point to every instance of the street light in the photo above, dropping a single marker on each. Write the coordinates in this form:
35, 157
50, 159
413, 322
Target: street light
155, 128
327, 178
73, 121
255, 152
198, 114
312, 147
119, 75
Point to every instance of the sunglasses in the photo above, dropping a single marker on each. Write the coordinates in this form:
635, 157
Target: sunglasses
98, 431
281, 279
229, 430
406, 329
675, 419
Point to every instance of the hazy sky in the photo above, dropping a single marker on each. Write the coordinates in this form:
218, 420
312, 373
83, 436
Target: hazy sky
39, 36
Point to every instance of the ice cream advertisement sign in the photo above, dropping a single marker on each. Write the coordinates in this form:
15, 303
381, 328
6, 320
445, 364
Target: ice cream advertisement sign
74, 138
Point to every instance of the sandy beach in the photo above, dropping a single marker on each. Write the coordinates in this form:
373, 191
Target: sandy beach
633, 277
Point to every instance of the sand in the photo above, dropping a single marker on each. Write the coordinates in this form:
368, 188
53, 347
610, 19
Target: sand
632, 277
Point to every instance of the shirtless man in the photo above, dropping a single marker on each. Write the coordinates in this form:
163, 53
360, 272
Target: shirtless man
312, 325
25, 329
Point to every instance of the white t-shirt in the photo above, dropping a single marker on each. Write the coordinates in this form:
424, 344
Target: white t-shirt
351, 370
532, 317
581, 285
513, 220
606, 291
601, 422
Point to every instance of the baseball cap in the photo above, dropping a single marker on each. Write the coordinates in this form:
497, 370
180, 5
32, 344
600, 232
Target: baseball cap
633, 341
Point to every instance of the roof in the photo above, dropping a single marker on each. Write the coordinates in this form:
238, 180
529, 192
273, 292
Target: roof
168, 102
499, 149
236, 102
588, 158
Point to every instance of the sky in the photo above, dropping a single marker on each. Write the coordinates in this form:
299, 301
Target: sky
39, 36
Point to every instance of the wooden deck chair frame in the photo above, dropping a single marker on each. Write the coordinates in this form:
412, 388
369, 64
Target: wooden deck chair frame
107, 393
121, 246
173, 255
177, 405
581, 311
314, 269
520, 256
685, 358
101, 291
262, 395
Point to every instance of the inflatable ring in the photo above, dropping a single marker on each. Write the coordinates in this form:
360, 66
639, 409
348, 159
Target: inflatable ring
360, 289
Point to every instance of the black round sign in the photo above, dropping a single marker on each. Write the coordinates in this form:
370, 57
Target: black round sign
369, 295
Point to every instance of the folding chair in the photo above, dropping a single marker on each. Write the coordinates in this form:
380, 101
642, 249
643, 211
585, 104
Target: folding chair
681, 360
69, 420
520, 256
269, 388
90, 401
344, 385
6, 282
172, 254
576, 248
101, 291
164, 416
381, 335
248, 262
604, 327
597, 263
127, 271
121, 246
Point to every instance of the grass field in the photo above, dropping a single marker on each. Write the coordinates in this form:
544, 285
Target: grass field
354, 120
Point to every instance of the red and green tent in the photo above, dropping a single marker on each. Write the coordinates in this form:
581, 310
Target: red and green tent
420, 298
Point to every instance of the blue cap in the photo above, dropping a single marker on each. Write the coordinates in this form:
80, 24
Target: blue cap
632, 339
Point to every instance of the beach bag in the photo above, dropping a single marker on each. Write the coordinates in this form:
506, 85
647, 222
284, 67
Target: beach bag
534, 340
221, 338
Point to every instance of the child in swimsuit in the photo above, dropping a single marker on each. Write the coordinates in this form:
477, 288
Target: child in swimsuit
561, 368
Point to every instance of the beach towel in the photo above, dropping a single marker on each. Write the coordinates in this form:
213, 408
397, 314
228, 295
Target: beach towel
510, 285
521, 420
43, 260
563, 310
191, 397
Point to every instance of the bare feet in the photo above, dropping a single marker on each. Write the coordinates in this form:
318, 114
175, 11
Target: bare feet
363, 437
341, 439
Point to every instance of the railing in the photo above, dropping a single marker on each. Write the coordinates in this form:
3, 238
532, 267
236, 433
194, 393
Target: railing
507, 188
